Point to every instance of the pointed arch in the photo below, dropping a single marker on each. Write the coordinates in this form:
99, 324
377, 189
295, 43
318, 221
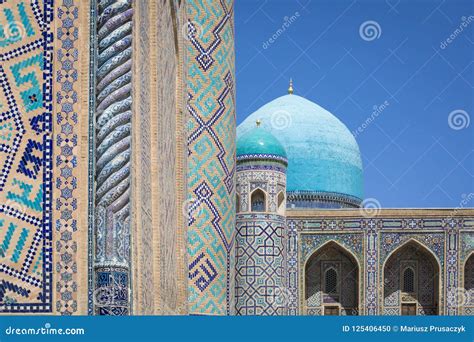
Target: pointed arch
415, 260
331, 280
337, 243
258, 201
471, 255
422, 245
468, 284
281, 202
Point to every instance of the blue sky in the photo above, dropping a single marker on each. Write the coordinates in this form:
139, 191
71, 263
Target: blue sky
419, 150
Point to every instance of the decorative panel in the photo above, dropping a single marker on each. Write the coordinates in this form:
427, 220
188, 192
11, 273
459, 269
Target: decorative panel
447, 234
210, 90
260, 270
71, 85
112, 156
26, 265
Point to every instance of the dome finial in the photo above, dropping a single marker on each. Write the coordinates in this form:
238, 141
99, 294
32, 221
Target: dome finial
258, 122
290, 88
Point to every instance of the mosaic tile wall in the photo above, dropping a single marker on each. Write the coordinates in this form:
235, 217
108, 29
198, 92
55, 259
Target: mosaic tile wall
351, 243
466, 262
260, 269
391, 242
271, 181
210, 88
468, 282
26, 265
426, 282
446, 234
332, 258
70, 84
260, 246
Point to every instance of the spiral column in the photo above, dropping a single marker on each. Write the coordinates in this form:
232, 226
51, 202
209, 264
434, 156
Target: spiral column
113, 157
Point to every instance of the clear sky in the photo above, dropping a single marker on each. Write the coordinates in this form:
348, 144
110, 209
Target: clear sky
419, 150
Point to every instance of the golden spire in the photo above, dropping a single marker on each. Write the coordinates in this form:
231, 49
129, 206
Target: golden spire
290, 88
258, 122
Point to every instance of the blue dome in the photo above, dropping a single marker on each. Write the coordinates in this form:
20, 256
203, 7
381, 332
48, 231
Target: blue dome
323, 155
259, 141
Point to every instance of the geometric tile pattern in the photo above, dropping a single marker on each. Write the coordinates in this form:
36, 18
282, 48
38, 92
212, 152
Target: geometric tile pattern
348, 242
271, 181
466, 262
468, 284
209, 69
352, 242
25, 156
371, 275
292, 267
426, 278
260, 265
452, 255
449, 237
111, 291
391, 241
466, 244
260, 243
66, 159
332, 257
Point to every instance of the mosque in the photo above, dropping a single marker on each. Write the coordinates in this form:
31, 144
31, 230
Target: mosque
126, 187
305, 242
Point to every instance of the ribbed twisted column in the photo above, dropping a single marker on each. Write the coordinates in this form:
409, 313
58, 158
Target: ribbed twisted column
112, 161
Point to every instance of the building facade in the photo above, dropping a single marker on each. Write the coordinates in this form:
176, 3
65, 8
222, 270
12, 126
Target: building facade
126, 188
344, 255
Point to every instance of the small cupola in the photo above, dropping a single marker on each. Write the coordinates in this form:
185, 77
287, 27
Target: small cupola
258, 144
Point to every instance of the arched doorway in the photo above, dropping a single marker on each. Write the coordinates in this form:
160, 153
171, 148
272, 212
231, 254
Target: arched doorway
332, 282
411, 281
469, 286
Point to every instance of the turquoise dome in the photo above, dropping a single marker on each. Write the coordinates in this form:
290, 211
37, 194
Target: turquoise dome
259, 141
323, 155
